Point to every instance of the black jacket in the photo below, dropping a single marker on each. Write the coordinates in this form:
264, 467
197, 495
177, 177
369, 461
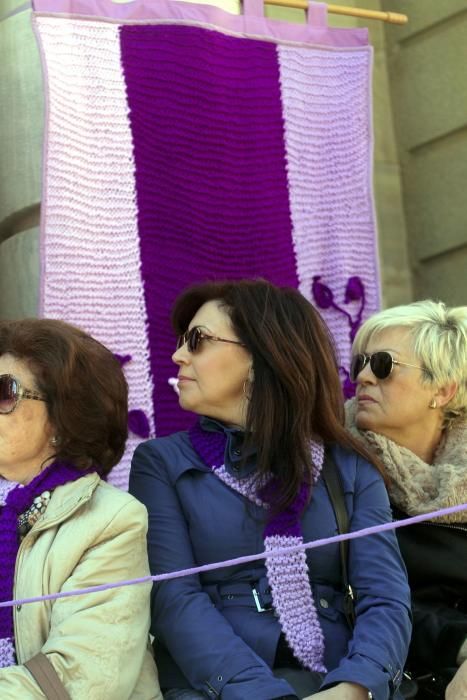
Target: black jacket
436, 558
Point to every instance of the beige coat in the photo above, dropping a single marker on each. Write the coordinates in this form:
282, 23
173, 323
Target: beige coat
90, 534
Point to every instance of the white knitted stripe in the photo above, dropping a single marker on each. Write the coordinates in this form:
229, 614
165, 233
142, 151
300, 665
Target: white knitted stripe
246, 487
5, 488
91, 268
7, 652
289, 579
327, 118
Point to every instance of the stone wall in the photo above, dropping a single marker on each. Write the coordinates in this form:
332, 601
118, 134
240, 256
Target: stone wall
427, 62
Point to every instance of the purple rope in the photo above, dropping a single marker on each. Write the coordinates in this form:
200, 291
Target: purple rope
280, 551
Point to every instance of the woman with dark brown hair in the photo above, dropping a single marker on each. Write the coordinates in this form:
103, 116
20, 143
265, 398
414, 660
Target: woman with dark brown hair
257, 365
63, 426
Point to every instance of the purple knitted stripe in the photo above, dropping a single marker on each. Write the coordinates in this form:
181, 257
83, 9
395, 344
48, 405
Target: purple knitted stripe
288, 521
17, 501
212, 193
210, 445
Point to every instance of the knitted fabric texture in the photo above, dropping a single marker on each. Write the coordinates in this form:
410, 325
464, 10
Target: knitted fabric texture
183, 144
288, 574
414, 486
16, 502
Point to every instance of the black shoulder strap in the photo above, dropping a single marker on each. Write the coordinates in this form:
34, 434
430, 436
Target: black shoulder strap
332, 480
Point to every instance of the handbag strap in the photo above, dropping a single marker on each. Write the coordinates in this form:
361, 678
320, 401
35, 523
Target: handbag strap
47, 678
333, 483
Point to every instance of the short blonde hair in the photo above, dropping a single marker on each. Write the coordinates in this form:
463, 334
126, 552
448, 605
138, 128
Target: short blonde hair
439, 340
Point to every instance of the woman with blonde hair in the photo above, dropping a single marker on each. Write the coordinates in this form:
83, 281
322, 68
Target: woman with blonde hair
410, 366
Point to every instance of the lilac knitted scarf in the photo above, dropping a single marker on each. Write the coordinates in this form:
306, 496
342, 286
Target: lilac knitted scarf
288, 574
18, 500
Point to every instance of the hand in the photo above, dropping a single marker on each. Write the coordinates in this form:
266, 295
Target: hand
344, 691
457, 688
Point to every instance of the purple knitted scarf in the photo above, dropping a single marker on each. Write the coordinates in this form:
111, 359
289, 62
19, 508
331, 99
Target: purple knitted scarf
18, 500
288, 574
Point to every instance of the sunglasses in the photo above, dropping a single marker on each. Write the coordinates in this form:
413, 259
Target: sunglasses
11, 392
195, 335
381, 364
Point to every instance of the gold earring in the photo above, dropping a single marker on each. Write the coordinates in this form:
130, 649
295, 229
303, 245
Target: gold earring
433, 403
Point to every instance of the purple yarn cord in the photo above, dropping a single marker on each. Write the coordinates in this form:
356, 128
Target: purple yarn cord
159, 578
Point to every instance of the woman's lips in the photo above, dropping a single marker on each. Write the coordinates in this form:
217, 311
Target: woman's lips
181, 378
364, 398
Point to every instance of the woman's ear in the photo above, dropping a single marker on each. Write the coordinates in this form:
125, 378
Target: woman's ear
445, 393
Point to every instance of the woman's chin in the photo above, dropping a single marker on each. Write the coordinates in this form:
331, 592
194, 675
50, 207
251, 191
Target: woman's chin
187, 405
364, 421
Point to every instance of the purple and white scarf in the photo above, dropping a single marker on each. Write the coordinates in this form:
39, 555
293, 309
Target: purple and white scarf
13, 503
288, 574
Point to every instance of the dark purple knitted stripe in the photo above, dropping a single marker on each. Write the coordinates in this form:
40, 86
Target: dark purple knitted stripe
288, 521
209, 445
212, 196
17, 501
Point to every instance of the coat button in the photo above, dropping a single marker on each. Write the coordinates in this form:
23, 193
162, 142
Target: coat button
219, 678
237, 453
324, 603
18, 607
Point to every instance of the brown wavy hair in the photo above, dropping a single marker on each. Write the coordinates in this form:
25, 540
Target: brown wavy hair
85, 389
296, 394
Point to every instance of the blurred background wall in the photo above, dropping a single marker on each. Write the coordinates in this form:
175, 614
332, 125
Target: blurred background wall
420, 159
427, 67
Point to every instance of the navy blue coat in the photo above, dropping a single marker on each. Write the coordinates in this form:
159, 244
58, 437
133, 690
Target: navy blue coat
210, 635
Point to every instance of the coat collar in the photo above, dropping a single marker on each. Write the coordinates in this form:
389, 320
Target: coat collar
66, 500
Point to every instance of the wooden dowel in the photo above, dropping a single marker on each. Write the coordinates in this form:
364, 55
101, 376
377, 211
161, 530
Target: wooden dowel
392, 17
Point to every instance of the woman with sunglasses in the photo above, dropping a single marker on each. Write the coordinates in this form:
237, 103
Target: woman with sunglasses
63, 426
257, 366
410, 365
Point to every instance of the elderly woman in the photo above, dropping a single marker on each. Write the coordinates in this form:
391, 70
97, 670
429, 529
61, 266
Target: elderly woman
63, 416
257, 366
410, 365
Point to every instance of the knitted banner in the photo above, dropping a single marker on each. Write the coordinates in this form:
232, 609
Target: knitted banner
184, 143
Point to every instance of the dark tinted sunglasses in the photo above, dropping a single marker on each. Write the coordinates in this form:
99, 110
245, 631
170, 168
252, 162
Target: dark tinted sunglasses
195, 335
11, 392
381, 364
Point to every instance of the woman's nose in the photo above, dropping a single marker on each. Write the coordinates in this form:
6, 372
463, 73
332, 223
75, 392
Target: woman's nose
181, 355
366, 376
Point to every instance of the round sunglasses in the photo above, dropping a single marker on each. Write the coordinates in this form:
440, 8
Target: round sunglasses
381, 364
11, 393
195, 335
